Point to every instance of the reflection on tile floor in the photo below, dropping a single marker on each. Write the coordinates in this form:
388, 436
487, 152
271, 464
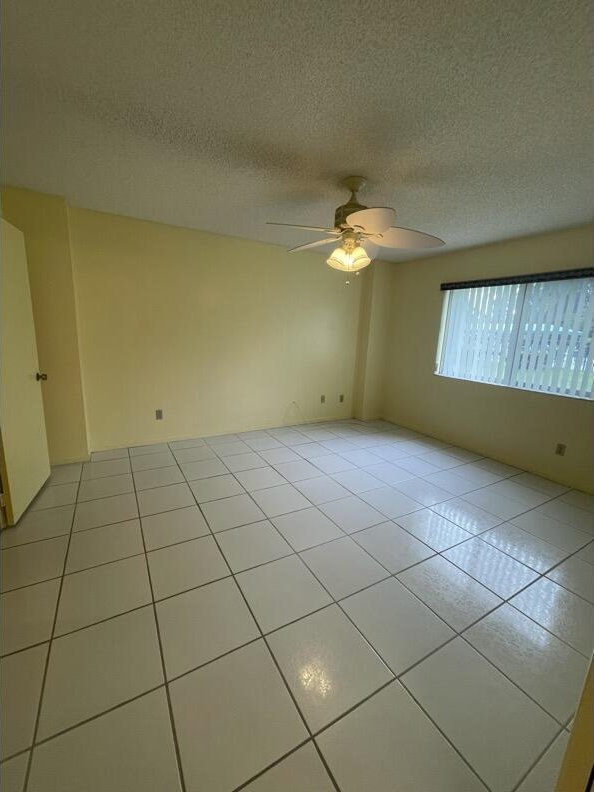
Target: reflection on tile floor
348, 606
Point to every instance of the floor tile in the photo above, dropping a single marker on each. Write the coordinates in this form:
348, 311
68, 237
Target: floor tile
277, 456
433, 529
545, 773
157, 477
494, 569
498, 729
262, 443
202, 624
12, 773
306, 528
60, 495
65, 474
162, 499
452, 594
343, 567
357, 481
194, 454
150, 461
259, 478
145, 450
137, 740
216, 488
302, 771
327, 664
191, 442
27, 615
38, 525
237, 707
332, 463
564, 614
297, 470
544, 667
580, 499
524, 547
399, 627
231, 512
423, 491
187, 565
470, 518
32, 563
167, 528
21, 677
281, 592
91, 489
391, 452
509, 488
420, 467
102, 545
244, 462
92, 670
498, 505
450, 481
580, 519
321, 489
116, 467
389, 473
113, 453
231, 449
203, 469
500, 469
352, 514
288, 436
552, 531
214, 440
251, 545
575, 575
280, 500
311, 450
389, 737
105, 511
390, 502
540, 484
361, 458
102, 592
587, 553
477, 476
392, 546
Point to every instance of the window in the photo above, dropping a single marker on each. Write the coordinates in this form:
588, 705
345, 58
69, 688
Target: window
531, 332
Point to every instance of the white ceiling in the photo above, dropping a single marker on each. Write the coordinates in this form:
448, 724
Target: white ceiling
472, 117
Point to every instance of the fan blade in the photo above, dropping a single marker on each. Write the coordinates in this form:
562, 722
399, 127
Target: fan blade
407, 239
307, 228
313, 245
372, 221
370, 248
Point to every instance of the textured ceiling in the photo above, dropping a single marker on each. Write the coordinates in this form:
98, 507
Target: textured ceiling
471, 117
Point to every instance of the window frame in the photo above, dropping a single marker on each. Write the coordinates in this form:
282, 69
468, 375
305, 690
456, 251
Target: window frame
525, 280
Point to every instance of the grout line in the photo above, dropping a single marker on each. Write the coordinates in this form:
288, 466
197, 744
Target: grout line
272, 656
48, 654
161, 653
334, 601
537, 760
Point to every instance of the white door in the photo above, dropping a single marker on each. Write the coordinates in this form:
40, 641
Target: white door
24, 460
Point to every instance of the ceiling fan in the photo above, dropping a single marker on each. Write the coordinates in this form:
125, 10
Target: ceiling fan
359, 232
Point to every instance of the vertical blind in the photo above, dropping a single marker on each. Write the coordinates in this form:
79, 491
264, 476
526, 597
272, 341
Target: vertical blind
530, 335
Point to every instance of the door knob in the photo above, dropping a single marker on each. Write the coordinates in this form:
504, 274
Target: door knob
40, 376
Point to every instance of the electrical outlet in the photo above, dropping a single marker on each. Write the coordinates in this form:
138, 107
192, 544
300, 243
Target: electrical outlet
341, 397
323, 399
159, 415
560, 449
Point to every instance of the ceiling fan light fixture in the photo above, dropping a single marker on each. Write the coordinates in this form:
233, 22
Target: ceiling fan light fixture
348, 260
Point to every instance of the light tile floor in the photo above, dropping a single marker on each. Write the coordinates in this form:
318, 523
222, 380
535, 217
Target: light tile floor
348, 606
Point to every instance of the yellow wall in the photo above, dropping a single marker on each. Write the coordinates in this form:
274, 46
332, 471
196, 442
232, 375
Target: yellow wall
518, 427
43, 219
222, 334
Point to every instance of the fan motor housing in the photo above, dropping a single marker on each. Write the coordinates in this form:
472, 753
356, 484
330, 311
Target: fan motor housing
342, 212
